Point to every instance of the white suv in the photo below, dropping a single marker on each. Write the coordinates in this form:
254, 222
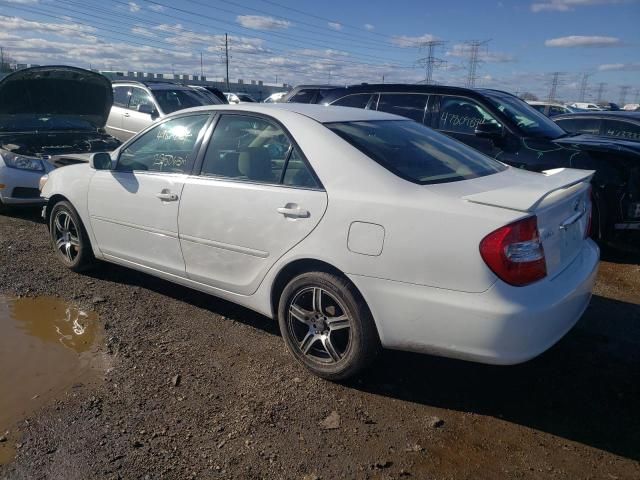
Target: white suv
138, 104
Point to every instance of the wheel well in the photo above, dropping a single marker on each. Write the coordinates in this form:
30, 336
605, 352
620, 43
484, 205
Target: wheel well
52, 201
296, 268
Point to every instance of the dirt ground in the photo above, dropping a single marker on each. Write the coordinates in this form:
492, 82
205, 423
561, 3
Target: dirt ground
195, 387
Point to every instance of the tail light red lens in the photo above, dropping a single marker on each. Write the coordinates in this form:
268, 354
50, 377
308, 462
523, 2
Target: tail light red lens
515, 253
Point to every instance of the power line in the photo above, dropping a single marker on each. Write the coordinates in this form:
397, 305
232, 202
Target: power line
226, 54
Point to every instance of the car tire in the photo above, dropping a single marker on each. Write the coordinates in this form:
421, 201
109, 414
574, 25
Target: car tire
69, 238
327, 326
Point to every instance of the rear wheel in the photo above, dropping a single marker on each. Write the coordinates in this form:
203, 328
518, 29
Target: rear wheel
327, 326
69, 238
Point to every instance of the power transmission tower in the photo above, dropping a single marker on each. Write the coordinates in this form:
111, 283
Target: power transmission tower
430, 62
601, 87
473, 47
624, 89
554, 86
201, 67
226, 53
583, 86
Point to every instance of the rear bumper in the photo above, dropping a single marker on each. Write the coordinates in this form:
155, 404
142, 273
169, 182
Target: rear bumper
13, 178
504, 325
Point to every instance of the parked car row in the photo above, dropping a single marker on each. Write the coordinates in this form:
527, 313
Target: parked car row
506, 128
340, 223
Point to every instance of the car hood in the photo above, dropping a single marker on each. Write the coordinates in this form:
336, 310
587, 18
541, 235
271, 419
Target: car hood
56, 91
598, 143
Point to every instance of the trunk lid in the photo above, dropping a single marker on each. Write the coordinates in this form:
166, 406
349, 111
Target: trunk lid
54, 91
559, 198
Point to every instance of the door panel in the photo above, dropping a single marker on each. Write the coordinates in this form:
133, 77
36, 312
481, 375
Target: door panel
131, 222
231, 232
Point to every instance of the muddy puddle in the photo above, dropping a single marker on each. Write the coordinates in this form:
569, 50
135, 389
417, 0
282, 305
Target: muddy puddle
46, 347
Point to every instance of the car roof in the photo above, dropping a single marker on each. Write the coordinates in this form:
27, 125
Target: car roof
319, 113
409, 88
551, 104
152, 85
621, 114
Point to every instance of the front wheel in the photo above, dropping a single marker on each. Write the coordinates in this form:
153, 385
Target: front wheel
69, 238
327, 325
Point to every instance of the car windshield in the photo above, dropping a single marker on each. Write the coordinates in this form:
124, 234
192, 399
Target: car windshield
173, 100
415, 152
245, 98
42, 123
527, 118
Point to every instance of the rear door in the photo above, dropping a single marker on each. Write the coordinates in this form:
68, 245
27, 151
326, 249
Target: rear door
118, 109
254, 199
410, 105
134, 121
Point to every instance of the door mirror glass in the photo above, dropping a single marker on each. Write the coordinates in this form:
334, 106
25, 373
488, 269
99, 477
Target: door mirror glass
488, 130
146, 108
100, 161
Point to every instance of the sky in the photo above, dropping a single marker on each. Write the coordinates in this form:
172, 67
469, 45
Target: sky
523, 42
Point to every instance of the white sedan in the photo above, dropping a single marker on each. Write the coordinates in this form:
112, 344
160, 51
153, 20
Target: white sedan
355, 229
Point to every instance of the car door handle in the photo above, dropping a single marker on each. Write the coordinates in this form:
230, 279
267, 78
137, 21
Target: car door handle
127, 114
293, 211
167, 196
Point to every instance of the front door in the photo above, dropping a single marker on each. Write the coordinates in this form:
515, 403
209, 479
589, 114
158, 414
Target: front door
255, 198
134, 208
458, 118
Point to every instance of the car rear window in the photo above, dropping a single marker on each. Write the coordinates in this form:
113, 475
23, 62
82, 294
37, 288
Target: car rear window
415, 152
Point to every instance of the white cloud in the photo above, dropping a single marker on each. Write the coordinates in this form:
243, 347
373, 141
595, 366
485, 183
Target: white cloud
568, 5
23, 2
583, 41
620, 67
369, 27
462, 50
335, 25
412, 42
156, 8
134, 7
258, 22
60, 29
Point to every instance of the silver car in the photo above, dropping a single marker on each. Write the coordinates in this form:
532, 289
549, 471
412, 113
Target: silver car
49, 117
138, 104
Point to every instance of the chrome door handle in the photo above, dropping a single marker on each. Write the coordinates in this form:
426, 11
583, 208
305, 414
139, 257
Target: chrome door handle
167, 196
127, 115
292, 211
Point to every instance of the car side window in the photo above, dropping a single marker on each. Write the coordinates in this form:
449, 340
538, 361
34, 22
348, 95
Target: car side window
121, 96
581, 125
410, 105
139, 97
462, 115
553, 110
169, 147
298, 173
247, 148
620, 129
358, 100
303, 96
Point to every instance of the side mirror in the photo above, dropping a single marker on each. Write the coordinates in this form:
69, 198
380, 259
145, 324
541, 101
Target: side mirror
147, 108
100, 161
489, 130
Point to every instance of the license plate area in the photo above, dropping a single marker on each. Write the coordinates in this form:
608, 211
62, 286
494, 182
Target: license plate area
570, 239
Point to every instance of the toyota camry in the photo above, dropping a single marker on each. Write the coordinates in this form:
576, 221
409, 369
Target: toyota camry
355, 229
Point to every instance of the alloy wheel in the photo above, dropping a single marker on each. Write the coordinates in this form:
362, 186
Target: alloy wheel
66, 236
319, 325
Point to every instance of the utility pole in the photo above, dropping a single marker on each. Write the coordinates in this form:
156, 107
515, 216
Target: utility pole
201, 67
637, 99
583, 86
430, 62
473, 47
599, 97
226, 53
624, 89
1, 59
383, 78
554, 86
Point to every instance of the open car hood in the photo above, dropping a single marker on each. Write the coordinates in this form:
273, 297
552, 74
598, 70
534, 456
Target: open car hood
599, 143
56, 91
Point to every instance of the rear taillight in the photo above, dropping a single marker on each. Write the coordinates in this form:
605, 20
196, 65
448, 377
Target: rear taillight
514, 252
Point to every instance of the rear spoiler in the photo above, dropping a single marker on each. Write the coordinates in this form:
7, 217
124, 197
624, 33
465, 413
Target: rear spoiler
526, 197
